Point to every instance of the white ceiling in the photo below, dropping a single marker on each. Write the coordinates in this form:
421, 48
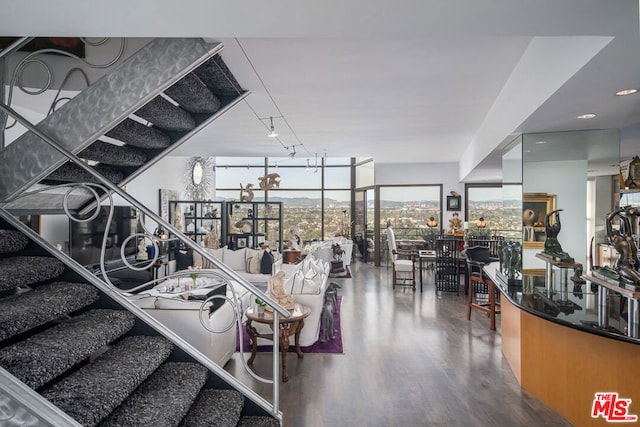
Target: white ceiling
415, 81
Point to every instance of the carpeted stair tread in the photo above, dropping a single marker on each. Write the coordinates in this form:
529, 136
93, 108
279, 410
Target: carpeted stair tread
12, 241
258, 421
215, 408
19, 313
42, 357
70, 172
193, 95
112, 154
94, 391
216, 75
138, 135
165, 115
26, 270
163, 399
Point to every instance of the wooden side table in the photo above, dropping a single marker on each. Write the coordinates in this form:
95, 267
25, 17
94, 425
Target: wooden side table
287, 327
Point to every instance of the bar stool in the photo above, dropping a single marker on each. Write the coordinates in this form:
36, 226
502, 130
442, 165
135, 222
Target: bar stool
477, 258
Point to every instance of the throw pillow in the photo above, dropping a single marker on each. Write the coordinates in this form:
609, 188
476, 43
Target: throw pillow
235, 259
253, 265
266, 264
299, 284
250, 253
184, 259
217, 254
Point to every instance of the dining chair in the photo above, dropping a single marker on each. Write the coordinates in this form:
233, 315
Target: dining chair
403, 263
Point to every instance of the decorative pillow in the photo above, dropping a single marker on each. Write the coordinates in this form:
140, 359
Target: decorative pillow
253, 265
196, 259
250, 253
235, 259
217, 254
299, 284
184, 259
266, 263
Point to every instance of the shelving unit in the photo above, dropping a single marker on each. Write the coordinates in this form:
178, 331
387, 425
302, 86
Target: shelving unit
197, 218
250, 224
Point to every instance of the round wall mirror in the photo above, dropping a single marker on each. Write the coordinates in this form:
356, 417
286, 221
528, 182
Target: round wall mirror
197, 172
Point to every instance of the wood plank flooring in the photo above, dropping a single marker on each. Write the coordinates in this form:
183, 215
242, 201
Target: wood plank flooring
410, 359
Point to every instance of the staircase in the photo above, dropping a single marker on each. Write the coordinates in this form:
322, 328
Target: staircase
72, 350
123, 123
99, 363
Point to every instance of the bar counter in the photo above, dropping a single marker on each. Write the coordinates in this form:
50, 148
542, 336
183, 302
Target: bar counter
563, 347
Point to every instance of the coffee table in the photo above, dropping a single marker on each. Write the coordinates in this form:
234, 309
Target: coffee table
287, 327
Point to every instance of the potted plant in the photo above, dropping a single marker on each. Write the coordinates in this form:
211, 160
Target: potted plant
261, 305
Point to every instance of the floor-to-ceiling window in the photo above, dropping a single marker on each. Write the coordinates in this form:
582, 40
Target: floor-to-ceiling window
408, 209
315, 193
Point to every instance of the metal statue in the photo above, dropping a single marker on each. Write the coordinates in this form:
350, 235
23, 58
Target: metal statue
552, 247
622, 241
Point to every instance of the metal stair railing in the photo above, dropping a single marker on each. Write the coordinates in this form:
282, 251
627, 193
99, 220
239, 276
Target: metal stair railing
136, 82
120, 296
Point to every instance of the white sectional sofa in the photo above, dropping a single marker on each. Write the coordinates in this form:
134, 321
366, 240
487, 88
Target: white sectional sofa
181, 316
246, 262
324, 251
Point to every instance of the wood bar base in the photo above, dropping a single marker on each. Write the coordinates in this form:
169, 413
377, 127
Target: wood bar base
564, 367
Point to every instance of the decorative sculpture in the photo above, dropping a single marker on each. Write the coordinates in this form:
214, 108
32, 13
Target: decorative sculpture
622, 241
481, 223
244, 225
432, 223
294, 238
455, 225
552, 247
142, 254
336, 264
211, 239
510, 259
269, 181
277, 292
633, 179
248, 189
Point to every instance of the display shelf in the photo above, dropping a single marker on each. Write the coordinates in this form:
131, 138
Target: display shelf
251, 224
198, 219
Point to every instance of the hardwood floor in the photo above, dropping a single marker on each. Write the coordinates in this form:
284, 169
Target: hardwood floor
410, 359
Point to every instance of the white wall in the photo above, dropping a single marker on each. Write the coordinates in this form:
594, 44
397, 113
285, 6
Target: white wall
423, 173
568, 181
168, 173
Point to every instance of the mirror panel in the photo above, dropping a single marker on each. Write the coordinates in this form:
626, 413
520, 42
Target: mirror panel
560, 165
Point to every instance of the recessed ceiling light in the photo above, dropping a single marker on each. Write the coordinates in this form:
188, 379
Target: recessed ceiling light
540, 142
587, 116
626, 92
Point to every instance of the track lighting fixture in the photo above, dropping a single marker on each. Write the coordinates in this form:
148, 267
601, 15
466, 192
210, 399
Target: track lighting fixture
273, 132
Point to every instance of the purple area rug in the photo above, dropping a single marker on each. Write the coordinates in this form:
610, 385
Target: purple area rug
345, 275
333, 346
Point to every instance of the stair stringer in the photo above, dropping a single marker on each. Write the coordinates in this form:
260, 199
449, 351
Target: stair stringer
99, 108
